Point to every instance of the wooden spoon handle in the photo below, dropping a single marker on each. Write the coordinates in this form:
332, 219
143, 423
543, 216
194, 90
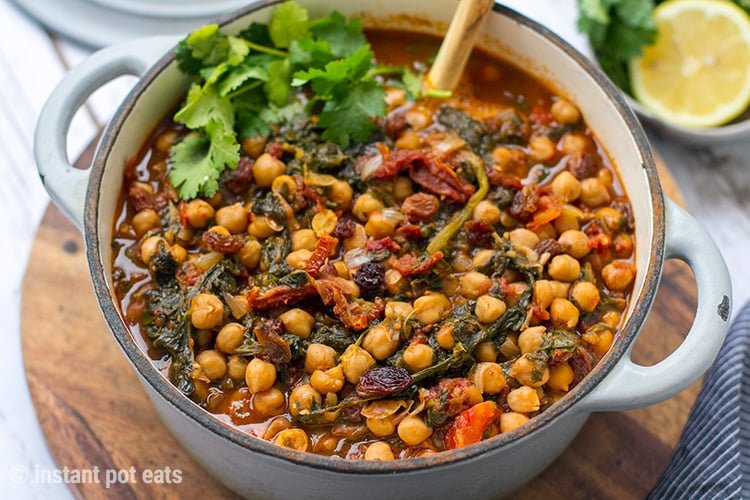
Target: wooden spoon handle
458, 42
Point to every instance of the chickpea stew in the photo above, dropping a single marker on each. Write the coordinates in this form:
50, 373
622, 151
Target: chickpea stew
436, 283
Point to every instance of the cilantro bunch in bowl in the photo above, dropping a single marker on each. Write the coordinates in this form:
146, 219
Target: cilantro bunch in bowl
266, 75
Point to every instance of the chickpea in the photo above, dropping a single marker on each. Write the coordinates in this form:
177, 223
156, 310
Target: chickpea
413, 430
236, 367
474, 284
358, 239
381, 427
564, 268
574, 243
418, 357
610, 218
559, 289
254, 146
269, 402
481, 259
178, 252
379, 450
611, 319
523, 238
394, 282
444, 337
299, 258
261, 227
618, 275
198, 213
604, 343
564, 112
486, 211
594, 193
402, 188
564, 314
206, 311
379, 226
298, 322
431, 308
546, 231
150, 246
166, 140
294, 439
341, 193
623, 246
408, 139
541, 148
531, 339
249, 254
304, 239
266, 168
529, 372
319, 357
331, 380
219, 230
584, 295
233, 217
397, 310
566, 187
560, 377
230, 337
145, 220
570, 218
573, 143
543, 293
511, 420
380, 341
355, 361
201, 390
486, 352
366, 204
489, 378
489, 309
260, 375
213, 364
523, 400
303, 399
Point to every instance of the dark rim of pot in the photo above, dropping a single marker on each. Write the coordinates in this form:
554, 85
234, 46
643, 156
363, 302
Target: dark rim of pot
165, 389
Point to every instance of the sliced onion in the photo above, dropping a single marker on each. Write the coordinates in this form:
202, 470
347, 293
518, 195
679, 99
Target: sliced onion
393, 216
356, 257
238, 304
449, 144
383, 408
208, 260
368, 165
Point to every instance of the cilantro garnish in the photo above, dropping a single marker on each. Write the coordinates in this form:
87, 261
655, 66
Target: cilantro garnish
248, 82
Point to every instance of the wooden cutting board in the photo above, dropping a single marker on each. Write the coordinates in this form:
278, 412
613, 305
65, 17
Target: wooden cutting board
94, 412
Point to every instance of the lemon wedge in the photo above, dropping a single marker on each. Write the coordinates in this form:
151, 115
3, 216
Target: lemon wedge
697, 73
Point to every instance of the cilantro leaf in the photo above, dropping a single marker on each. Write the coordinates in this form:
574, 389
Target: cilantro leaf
349, 117
309, 53
323, 81
198, 160
204, 104
239, 75
343, 38
288, 23
256, 33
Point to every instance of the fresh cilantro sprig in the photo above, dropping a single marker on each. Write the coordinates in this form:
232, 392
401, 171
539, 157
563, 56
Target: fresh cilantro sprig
245, 83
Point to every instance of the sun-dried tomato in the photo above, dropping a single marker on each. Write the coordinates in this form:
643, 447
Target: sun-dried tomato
581, 363
240, 179
222, 243
383, 381
304, 194
410, 232
470, 425
394, 124
479, 233
420, 207
279, 296
188, 274
525, 203
408, 265
550, 208
499, 179
275, 349
275, 149
386, 243
324, 247
355, 315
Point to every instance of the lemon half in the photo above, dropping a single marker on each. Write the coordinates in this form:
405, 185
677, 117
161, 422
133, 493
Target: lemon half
697, 73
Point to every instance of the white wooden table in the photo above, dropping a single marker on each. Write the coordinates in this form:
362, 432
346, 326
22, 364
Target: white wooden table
715, 182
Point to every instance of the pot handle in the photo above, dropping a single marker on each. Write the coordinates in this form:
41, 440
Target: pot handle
66, 184
629, 385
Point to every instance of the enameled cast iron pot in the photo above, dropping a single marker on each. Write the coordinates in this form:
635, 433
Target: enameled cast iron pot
259, 469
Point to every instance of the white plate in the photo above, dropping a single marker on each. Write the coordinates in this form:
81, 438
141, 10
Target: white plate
98, 23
